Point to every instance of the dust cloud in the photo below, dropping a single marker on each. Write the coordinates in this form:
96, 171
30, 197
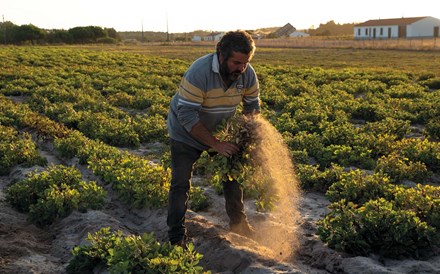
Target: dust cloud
271, 155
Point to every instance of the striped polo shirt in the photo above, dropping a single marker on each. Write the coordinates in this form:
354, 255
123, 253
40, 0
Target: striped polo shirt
203, 97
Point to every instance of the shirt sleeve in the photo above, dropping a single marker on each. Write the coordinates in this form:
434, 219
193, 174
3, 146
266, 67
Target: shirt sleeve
190, 101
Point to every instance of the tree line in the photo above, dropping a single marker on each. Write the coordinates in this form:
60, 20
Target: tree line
332, 29
30, 34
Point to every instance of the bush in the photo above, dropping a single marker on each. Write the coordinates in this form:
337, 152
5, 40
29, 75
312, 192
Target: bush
17, 149
106, 40
358, 187
398, 168
424, 200
378, 226
54, 194
432, 128
198, 200
133, 254
311, 178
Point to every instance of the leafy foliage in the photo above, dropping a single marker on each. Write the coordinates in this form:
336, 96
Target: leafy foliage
377, 226
133, 254
17, 149
334, 121
54, 194
242, 166
369, 214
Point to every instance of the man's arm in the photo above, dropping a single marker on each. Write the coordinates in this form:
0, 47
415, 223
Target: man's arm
202, 134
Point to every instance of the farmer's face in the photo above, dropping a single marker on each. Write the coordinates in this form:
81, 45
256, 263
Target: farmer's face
235, 65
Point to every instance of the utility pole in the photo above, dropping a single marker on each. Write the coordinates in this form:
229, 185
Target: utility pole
4, 29
142, 39
168, 33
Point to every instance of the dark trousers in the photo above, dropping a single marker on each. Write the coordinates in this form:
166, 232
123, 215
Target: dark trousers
183, 158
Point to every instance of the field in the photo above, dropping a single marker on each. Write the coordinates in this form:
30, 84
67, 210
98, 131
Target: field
399, 59
84, 147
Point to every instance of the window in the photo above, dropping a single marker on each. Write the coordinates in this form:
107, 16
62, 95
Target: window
366, 32
381, 32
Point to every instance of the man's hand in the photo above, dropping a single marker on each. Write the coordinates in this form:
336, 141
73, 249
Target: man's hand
225, 148
200, 132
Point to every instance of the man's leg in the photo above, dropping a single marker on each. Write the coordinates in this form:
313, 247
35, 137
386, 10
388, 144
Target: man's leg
234, 204
183, 158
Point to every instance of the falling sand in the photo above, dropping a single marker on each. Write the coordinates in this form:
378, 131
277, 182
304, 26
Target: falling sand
272, 156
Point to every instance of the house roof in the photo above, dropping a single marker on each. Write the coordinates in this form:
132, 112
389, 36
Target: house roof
390, 22
285, 30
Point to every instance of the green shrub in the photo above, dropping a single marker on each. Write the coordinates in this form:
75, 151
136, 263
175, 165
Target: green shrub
198, 201
54, 194
133, 254
312, 178
423, 200
16, 148
138, 181
358, 187
423, 151
376, 227
432, 128
113, 131
398, 168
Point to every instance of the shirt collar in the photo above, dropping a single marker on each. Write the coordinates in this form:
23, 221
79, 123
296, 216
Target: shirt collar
215, 64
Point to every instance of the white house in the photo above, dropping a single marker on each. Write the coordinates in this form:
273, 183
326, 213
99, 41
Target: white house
214, 36
196, 38
298, 34
412, 27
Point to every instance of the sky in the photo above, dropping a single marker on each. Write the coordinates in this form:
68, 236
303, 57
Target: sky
176, 16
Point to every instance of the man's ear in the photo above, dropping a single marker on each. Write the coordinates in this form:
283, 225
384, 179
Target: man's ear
220, 58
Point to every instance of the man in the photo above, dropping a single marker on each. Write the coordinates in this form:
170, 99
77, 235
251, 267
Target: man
210, 91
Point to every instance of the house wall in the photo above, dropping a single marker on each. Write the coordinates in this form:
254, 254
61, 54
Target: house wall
299, 34
376, 32
422, 28
218, 37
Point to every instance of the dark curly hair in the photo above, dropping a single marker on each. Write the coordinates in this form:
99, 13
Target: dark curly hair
235, 41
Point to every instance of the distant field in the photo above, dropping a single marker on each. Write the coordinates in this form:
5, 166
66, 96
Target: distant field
412, 61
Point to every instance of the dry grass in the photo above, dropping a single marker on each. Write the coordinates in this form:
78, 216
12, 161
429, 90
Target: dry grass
335, 42
412, 56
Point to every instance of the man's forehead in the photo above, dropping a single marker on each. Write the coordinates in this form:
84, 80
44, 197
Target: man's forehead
239, 56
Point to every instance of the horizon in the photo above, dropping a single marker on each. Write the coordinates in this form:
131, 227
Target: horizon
177, 17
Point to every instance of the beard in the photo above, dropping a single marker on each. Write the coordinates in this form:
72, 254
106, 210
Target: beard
227, 74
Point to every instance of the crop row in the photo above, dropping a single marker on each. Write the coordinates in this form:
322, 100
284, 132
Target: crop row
334, 121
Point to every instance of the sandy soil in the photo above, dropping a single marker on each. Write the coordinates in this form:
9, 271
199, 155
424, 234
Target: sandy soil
25, 248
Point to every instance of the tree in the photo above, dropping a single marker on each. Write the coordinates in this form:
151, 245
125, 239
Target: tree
332, 29
111, 32
28, 33
88, 34
7, 32
59, 36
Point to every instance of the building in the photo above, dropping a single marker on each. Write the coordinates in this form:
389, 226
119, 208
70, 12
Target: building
196, 38
214, 36
298, 34
286, 30
211, 37
413, 27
